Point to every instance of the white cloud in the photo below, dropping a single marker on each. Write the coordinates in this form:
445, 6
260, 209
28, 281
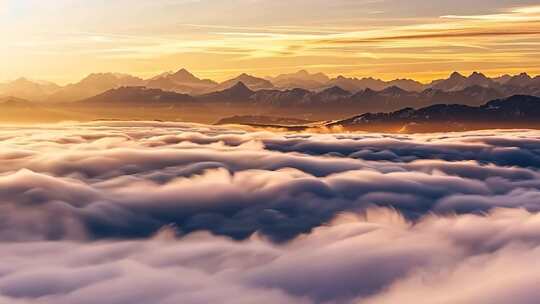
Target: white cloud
117, 212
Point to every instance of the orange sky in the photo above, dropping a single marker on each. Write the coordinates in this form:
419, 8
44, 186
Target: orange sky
63, 40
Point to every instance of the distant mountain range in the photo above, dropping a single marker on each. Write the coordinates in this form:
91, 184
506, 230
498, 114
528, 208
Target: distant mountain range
126, 96
518, 111
298, 109
181, 82
185, 82
92, 85
183, 96
301, 79
253, 83
333, 101
28, 89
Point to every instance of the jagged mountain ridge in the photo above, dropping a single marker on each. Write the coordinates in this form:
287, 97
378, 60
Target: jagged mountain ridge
185, 82
181, 82
330, 103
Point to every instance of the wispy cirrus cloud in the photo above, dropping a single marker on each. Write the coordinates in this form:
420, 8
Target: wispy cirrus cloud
497, 41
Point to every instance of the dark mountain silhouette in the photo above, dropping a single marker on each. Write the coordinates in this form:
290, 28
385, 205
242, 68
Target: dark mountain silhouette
506, 84
389, 98
331, 103
337, 100
520, 80
237, 93
125, 96
518, 111
457, 82
330, 95
472, 96
281, 99
356, 84
253, 83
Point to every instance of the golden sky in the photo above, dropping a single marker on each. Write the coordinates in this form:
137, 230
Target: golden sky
63, 40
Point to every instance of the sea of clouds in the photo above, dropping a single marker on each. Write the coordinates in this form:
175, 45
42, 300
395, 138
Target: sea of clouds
154, 212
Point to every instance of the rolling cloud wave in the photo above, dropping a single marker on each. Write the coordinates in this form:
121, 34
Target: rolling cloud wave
379, 258
119, 212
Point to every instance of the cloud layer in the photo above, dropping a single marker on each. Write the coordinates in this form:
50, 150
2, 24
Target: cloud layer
379, 258
119, 212
122, 181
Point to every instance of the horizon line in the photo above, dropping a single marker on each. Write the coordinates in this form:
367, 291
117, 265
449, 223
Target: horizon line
466, 73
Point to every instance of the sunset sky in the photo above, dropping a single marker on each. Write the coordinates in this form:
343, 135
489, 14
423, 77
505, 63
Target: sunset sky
297, 189
63, 40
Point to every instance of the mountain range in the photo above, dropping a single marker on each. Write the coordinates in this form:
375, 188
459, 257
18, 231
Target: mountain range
185, 82
28, 89
518, 111
330, 103
184, 96
92, 85
181, 82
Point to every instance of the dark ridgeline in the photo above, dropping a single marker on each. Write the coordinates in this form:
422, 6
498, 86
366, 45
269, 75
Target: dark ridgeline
124, 96
329, 98
330, 103
518, 111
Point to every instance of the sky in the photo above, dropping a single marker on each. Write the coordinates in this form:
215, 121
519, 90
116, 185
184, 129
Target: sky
64, 40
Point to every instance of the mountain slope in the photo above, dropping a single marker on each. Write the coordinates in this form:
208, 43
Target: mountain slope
239, 92
330, 103
181, 82
94, 84
28, 89
301, 79
518, 111
127, 96
359, 84
457, 82
253, 83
